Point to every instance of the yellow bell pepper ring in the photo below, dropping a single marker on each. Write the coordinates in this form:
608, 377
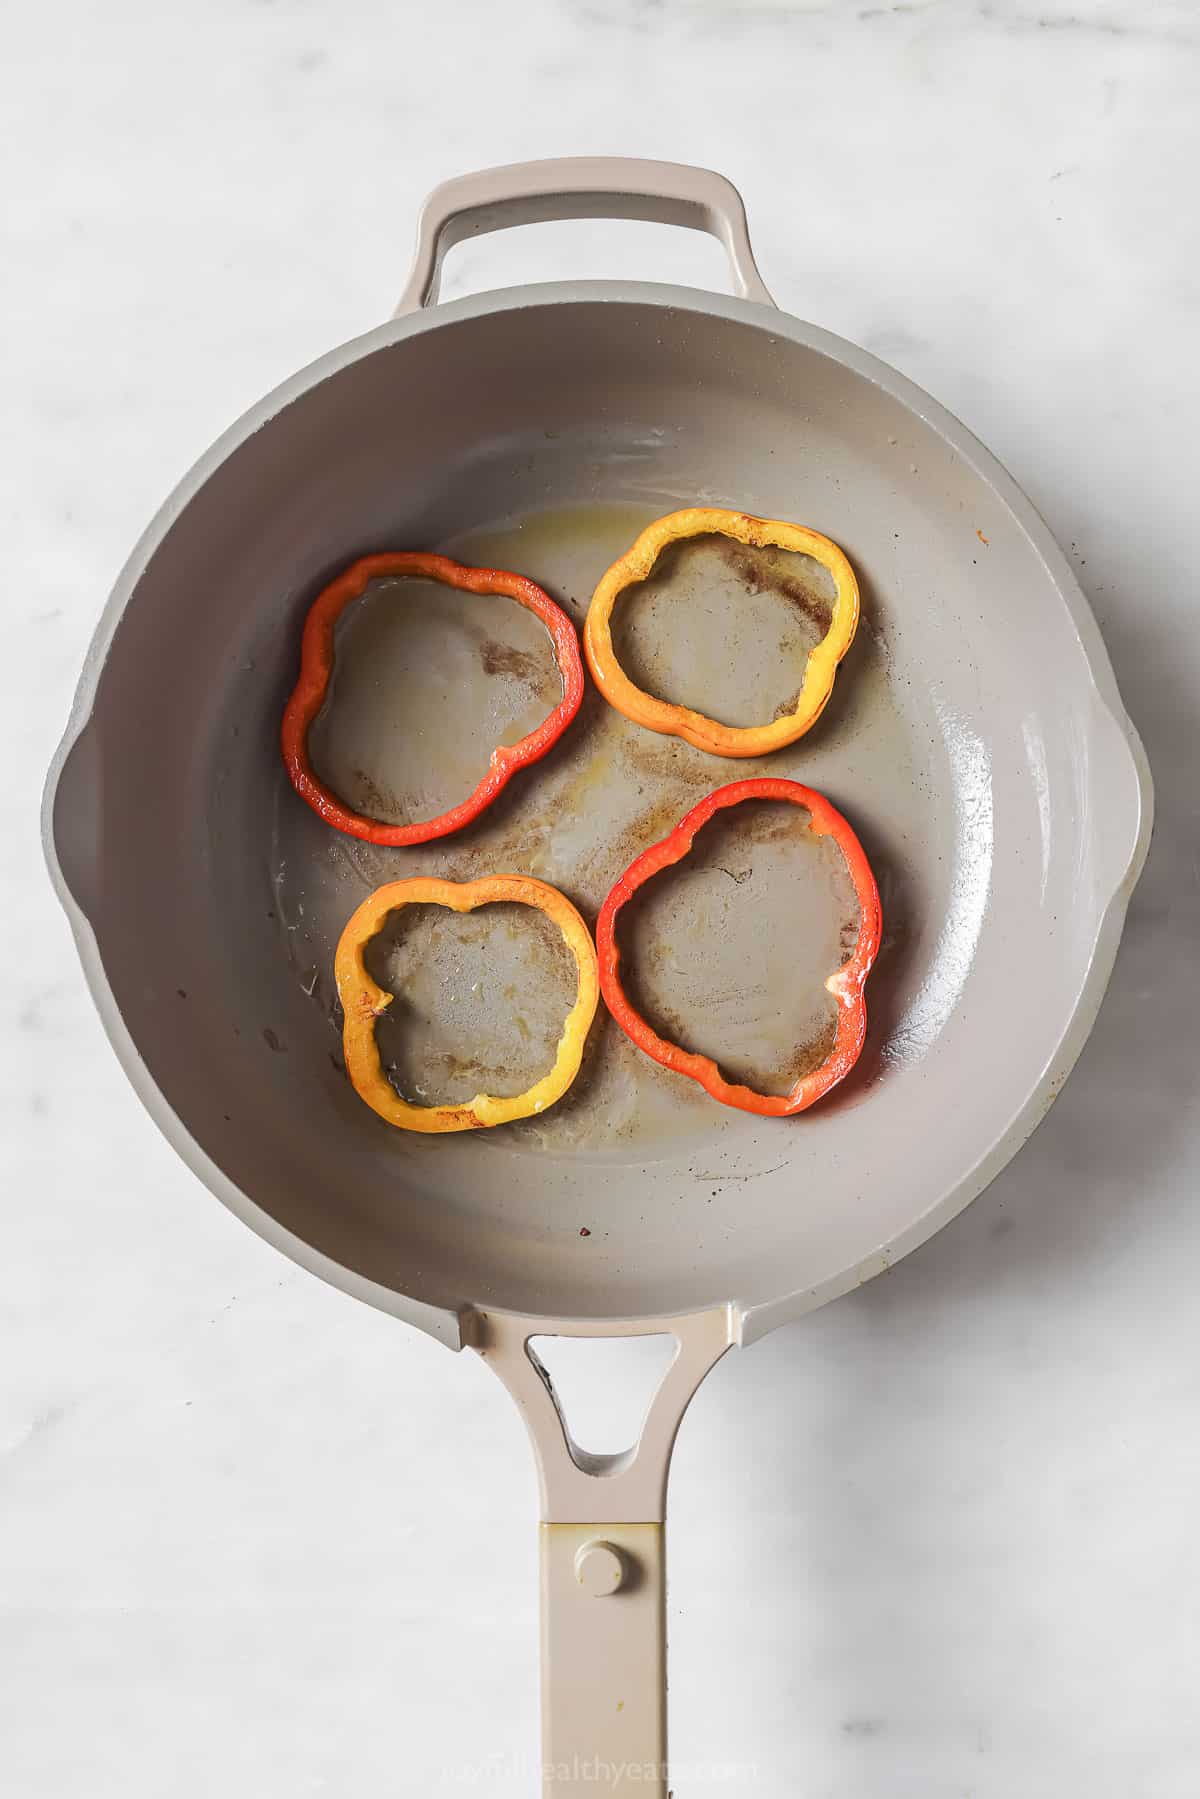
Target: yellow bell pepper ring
364, 1002
680, 721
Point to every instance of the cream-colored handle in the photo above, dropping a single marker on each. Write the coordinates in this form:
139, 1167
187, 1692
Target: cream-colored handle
604, 1661
580, 187
603, 1569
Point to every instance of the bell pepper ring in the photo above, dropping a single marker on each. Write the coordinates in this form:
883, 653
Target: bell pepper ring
364, 1002
680, 721
846, 985
316, 667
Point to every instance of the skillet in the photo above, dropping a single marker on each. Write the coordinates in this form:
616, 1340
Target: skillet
975, 739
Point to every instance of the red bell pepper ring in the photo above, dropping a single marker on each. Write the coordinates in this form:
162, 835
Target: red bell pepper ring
846, 985
316, 666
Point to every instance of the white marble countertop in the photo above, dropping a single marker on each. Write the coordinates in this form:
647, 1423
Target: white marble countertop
938, 1540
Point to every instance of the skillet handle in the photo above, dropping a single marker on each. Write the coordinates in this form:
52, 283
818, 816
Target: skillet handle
603, 1569
580, 187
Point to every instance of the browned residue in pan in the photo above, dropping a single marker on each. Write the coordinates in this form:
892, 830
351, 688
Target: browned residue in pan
809, 1055
815, 1048
762, 574
379, 803
499, 658
458, 1026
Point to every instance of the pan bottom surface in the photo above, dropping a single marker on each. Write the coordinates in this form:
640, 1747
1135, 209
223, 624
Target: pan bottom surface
728, 953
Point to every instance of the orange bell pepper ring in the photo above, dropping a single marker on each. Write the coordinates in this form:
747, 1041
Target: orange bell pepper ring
316, 667
846, 984
364, 1002
680, 721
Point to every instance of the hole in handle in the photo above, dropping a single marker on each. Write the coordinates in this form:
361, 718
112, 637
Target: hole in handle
603, 1388
583, 250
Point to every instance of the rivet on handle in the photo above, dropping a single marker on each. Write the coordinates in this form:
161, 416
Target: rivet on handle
599, 1569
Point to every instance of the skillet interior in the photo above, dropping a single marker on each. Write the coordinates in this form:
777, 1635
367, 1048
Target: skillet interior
966, 741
